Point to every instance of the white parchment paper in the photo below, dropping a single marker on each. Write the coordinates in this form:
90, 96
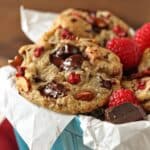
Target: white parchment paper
35, 23
37, 126
40, 127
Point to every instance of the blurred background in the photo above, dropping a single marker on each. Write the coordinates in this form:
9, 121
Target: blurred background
133, 12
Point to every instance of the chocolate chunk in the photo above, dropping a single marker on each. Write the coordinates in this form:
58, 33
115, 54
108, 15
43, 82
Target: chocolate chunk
53, 89
66, 51
67, 56
74, 20
72, 62
106, 84
37, 79
96, 28
56, 60
123, 113
97, 113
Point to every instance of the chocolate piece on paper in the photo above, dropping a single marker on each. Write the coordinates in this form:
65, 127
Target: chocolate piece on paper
123, 113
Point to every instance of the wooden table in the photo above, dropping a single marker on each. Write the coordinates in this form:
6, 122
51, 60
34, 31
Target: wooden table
11, 38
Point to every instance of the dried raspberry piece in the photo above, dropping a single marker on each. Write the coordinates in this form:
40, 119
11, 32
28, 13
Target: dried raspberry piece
66, 34
20, 71
121, 96
38, 51
74, 78
141, 85
119, 31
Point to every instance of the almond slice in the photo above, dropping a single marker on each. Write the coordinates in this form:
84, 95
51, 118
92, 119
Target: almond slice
23, 84
85, 95
16, 61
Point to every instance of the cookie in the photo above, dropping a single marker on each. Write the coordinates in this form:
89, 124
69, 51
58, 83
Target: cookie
71, 76
141, 88
145, 61
100, 25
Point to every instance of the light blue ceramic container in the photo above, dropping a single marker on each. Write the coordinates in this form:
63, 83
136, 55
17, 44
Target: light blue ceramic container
70, 139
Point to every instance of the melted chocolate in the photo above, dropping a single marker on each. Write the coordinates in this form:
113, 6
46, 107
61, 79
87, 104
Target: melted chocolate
53, 89
67, 57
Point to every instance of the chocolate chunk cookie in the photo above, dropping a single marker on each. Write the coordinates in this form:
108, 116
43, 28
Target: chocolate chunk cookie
141, 87
145, 61
100, 25
70, 76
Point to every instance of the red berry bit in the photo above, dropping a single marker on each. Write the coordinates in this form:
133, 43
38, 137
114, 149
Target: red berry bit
120, 31
74, 78
20, 71
121, 96
66, 34
141, 85
38, 51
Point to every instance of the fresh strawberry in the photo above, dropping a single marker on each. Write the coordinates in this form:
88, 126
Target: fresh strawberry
121, 96
142, 36
127, 50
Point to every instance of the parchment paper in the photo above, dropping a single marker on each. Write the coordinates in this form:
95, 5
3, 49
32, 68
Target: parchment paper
40, 127
37, 126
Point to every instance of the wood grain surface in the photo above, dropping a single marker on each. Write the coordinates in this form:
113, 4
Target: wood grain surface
11, 38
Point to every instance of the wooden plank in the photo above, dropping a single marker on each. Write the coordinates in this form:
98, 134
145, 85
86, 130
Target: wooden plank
11, 38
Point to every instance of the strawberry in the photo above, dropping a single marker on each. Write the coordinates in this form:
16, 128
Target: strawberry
121, 96
142, 36
127, 50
